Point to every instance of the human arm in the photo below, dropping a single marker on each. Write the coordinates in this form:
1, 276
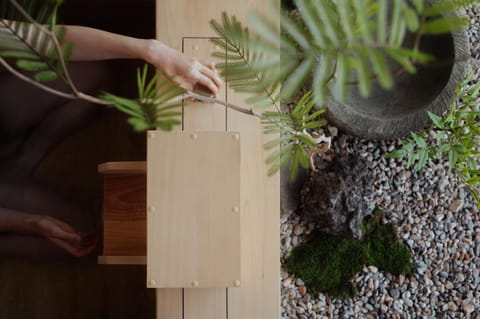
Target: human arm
56, 231
94, 44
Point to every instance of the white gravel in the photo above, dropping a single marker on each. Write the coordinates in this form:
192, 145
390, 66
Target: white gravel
437, 218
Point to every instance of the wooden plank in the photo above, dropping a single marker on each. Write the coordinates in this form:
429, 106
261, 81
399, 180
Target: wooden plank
126, 168
169, 303
193, 197
122, 260
201, 116
205, 303
259, 296
198, 117
124, 215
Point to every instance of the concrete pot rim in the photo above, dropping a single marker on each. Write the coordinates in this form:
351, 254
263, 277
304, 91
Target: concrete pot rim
357, 123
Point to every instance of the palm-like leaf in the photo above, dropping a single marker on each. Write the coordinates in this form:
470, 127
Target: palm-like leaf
32, 45
295, 143
337, 41
154, 107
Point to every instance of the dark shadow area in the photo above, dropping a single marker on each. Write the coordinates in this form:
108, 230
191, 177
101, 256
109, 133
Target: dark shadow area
80, 288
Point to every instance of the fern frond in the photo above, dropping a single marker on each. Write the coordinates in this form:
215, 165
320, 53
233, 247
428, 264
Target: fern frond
352, 39
243, 52
34, 43
294, 143
153, 108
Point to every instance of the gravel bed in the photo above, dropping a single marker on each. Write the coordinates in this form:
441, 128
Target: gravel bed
435, 215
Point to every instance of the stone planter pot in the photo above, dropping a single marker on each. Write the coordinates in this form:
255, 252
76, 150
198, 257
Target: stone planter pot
403, 109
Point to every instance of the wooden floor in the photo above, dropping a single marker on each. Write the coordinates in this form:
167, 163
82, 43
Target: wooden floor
73, 290
83, 289
80, 288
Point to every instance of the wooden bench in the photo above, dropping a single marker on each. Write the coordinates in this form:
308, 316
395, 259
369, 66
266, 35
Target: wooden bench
216, 256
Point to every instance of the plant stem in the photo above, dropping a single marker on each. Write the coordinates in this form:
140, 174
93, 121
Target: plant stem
54, 39
228, 105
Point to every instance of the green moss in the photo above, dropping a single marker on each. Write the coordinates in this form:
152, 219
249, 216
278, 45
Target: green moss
328, 263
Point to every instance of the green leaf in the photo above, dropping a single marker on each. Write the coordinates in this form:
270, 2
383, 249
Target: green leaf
328, 17
381, 69
364, 75
294, 165
138, 124
303, 158
19, 55
297, 78
396, 23
420, 141
312, 22
344, 11
437, 120
276, 142
397, 154
412, 20
307, 140
445, 25
422, 159
411, 158
382, 21
452, 158
45, 76
321, 76
299, 35
418, 5
363, 20
314, 125
28, 65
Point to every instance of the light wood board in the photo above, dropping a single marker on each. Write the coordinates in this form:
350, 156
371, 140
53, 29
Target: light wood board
178, 21
193, 200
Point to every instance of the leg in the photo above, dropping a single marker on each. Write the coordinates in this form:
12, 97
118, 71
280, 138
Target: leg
53, 119
28, 197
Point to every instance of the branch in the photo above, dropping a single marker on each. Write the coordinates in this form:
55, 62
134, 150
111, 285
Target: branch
35, 83
48, 89
206, 99
54, 39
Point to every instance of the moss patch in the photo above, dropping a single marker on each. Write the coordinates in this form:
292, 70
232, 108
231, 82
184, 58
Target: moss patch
328, 263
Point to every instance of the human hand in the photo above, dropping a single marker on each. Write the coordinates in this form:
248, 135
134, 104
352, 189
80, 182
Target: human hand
63, 235
189, 72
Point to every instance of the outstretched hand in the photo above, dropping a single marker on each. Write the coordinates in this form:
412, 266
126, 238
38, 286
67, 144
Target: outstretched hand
189, 72
63, 235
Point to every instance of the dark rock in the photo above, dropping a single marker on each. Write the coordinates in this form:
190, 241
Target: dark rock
335, 197
290, 190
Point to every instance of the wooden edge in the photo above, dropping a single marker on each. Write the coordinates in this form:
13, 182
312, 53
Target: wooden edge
122, 260
123, 168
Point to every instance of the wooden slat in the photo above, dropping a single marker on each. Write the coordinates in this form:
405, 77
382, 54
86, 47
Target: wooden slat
193, 197
205, 303
169, 303
259, 296
122, 260
125, 168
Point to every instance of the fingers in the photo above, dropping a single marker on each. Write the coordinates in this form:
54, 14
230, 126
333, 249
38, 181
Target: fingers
213, 75
208, 83
78, 249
